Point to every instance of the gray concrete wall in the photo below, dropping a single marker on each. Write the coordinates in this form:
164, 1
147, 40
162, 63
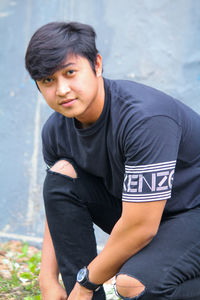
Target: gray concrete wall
153, 42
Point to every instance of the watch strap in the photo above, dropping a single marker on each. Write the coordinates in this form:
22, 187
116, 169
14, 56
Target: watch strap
88, 284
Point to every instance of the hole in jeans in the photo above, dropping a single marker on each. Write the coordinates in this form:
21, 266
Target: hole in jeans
64, 167
129, 287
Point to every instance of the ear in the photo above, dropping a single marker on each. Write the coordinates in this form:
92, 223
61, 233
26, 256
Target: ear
98, 66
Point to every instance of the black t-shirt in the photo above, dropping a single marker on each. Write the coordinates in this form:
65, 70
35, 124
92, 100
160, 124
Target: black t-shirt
145, 146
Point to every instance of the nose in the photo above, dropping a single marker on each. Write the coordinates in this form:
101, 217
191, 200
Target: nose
63, 87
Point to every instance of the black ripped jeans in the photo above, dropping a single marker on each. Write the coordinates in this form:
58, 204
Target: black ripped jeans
169, 267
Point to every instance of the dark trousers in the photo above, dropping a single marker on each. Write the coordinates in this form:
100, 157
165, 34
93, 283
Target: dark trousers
169, 267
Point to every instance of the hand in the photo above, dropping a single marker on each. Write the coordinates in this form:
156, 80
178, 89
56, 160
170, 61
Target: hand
80, 293
53, 291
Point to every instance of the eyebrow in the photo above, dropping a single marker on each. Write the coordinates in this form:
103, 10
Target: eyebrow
60, 68
66, 65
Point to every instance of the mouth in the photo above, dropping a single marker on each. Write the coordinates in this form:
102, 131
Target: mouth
68, 102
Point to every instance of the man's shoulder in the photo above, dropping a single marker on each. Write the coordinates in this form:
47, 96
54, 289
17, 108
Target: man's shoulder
52, 125
53, 120
134, 91
136, 99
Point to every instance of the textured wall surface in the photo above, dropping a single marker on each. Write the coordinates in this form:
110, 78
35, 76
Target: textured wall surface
153, 42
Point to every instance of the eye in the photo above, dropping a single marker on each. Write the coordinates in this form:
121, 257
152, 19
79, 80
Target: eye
70, 72
47, 80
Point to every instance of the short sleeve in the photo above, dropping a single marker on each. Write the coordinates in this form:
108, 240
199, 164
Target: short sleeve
47, 147
151, 151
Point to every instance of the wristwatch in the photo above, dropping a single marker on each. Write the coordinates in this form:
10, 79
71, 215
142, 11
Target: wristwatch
82, 279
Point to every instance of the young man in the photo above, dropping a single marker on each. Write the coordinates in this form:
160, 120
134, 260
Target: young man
124, 156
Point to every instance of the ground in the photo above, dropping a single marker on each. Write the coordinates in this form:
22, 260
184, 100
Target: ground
19, 269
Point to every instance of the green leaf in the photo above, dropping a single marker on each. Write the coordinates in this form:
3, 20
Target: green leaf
25, 249
26, 275
37, 272
36, 258
32, 267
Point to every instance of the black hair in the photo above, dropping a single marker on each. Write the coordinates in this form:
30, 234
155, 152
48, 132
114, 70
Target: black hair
50, 45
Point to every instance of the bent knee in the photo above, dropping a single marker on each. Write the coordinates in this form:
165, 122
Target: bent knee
64, 167
128, 286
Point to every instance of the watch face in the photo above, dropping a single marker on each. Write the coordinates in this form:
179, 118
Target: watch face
81, 274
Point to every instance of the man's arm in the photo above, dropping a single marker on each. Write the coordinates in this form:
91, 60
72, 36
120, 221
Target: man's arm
49, 266
135, 229
48, 278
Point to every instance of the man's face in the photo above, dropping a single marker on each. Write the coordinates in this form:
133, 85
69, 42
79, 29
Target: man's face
75, 90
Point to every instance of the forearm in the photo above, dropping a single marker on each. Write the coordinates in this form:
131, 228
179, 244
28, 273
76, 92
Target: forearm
124, 242
49, 266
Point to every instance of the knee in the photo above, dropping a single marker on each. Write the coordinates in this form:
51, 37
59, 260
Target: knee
64, 167
128, 286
